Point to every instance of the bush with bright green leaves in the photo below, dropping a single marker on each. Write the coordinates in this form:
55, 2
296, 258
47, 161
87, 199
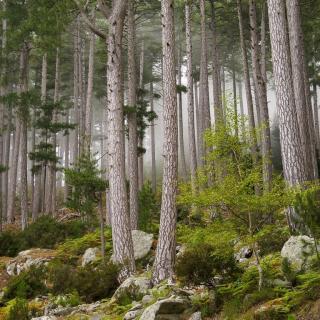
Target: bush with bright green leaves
17, 310
45, 232
86, 185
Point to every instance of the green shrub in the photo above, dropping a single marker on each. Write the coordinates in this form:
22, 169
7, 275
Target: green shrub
45, 232
91, 282
27, 284
198, 265
94, 283
67, 300
18, 310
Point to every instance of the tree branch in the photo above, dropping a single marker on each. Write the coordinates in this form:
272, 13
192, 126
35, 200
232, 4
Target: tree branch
103, 9
91, 26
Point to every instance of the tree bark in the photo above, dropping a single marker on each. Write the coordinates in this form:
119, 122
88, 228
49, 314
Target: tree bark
191, 129
316, 115
246, 77
204, 107
297, 56
292, 156
166, 248
235, 102
198, 124
122, 240
216, 83
132, 119
261, 87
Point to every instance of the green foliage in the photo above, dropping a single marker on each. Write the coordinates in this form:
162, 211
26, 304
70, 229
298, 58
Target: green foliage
289, 273
91, 282
67, 300
27, 284
17, 310
45, 232
205, 302
84, 178
148, 207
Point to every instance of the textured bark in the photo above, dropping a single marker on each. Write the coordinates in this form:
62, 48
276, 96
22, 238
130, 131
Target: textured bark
6, 155
191, 129
242, 123
204, 107
23, 87
153, 145
122, 240
246, 77
198, 124
261, 88
66, 155
316, 116
140, 140
291, 147
180, 117
297, 56
165, 254
216, 83
88, 108
132, 119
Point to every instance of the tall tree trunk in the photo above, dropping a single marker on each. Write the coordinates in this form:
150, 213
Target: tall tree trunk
242, 122
153, 145
246, 77
297, 56
205, 122
198, 123
191, 129
66, 156
88, 108
316, 115
132, 119
261, 87
40, 174
165, 254
235, 102
291, 147
23, 87
216, 83
140, 139
180, 116
122, 240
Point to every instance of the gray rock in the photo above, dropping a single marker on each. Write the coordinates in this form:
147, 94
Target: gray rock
142, 243
28, 258
243, 254
196, 316
147, 299
133, 288
90, 255
299, 251
167, 308
133, 314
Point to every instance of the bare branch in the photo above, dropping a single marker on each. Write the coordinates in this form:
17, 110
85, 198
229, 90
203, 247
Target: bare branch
88, 22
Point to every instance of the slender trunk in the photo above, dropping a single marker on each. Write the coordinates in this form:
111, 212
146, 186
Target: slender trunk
223, 96
235, 103
153, 145
132, 119
261, 87
24, 138
316, 115
140, 139
180, 116
198, 123
88, 108
297, 56
246, 77
122, 240
66, 155
295, 171
216, 84
242, 121
166, 248
204, 109
191, 129
39, 174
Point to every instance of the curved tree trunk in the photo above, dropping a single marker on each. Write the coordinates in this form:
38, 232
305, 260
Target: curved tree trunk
166, 248
121, 235
132, 119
